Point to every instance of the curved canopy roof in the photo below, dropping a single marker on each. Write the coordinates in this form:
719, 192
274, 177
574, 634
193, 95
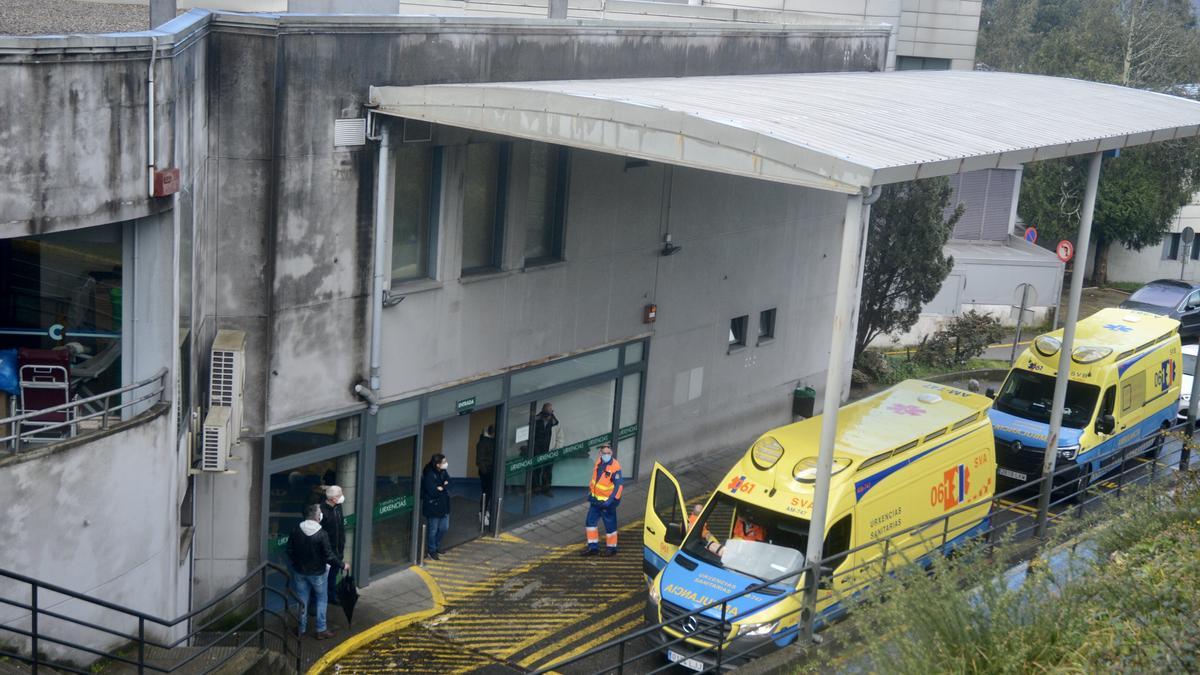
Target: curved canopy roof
833, 131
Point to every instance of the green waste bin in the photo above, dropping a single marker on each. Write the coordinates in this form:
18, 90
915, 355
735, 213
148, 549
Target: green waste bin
803, 401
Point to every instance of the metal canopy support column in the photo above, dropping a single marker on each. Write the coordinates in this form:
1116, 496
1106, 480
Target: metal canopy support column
1068, 343
843, 312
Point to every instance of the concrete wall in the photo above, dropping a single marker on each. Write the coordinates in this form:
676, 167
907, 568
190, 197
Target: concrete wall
944, 29
324, 209
91, 518
1149, 263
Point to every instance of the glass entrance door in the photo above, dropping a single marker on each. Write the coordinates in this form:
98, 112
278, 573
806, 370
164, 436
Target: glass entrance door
550, 449
470, 452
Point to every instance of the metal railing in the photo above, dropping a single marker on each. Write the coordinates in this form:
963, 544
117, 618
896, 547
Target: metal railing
76, 412
1009, 516
253, 623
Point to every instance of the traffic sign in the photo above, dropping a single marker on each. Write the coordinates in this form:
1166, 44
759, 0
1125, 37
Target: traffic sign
1031, 235
1188, 235
1065, 250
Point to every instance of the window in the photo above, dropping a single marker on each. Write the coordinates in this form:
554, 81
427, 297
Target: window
737, 332
1193, 301
415, 212
314, 436
1171, 246
766, 325
921, 63
545, 204
483, 207
666, 500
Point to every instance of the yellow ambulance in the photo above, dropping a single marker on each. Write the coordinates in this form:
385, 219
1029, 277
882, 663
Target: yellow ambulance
1124, 386
903, 458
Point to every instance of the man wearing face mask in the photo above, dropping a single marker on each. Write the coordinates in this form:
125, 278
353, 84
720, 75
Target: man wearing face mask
334, 524
604, 495
435, 503
309, 551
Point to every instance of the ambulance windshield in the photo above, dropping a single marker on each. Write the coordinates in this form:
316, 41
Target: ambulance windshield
1031, 395
739, 537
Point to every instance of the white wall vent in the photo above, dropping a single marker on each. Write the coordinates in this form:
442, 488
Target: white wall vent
226, 376
215, 450
350, 132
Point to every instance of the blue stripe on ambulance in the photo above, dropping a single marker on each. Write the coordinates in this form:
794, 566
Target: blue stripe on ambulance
863, 486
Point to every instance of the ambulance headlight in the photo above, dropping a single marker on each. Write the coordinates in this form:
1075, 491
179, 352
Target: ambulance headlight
1069, 453
1089, 354
757, 629
655, 594
766, 452
1047, 346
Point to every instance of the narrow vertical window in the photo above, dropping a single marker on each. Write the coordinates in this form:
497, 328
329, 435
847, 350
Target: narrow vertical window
737, 332
766, 325
545, 203
412, 222
483, 207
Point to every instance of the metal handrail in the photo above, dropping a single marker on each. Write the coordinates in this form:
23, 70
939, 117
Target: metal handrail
16, 438
894, 555
288, 638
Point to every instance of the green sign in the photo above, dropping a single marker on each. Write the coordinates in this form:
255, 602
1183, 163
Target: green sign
388, 508
518, 465
465, 406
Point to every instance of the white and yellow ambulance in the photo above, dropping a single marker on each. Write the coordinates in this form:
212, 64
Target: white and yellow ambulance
902, 458
1124, 387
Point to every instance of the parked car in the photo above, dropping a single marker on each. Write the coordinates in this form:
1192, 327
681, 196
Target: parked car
1189, 367
1170, 297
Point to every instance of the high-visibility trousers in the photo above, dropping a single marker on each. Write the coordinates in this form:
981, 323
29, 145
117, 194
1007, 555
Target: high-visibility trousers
594, 515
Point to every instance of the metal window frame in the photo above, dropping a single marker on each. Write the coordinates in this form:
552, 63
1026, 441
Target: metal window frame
503, 160
367, 443
558, 211
433, 200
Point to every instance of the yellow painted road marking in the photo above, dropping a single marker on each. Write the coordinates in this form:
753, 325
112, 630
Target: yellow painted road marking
558, 645
626, 627
396, 623
1019, 508
510, 610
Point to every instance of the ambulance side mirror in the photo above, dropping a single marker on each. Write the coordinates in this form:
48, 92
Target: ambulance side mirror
990, 393
674, 534
1106, 424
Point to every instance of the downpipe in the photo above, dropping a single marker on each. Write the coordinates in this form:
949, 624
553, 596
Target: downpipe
370, 393
151, 165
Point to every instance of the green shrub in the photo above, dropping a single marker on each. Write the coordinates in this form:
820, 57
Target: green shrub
962, 338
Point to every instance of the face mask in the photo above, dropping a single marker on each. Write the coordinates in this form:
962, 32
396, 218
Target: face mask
341, 499
320, 516
606, 457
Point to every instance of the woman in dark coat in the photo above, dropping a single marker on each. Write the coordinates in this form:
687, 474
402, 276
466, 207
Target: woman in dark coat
435, 503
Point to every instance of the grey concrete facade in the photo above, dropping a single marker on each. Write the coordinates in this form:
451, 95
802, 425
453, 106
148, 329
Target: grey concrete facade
271, 233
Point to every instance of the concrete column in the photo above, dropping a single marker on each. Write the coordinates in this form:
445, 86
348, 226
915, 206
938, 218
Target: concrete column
839, 348
161, 11
1068, 343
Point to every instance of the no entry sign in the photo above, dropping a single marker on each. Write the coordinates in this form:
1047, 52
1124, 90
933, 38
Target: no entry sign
1065, 250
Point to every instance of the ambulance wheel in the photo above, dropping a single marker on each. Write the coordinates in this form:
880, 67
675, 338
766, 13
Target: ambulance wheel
1157, 444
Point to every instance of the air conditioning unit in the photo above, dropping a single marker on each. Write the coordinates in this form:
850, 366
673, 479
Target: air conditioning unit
216, 440
227, 375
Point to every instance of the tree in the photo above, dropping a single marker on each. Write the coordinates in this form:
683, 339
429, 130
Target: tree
905, 266
1149, 44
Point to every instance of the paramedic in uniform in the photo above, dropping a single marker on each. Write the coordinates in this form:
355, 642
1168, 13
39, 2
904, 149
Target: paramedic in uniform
604, 495
746, 528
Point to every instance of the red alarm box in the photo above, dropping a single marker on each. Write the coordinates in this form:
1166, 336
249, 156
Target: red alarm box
166, 182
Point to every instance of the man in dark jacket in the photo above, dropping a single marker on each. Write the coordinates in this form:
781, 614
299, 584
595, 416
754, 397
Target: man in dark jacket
485, 461
309, 551
334, 524
543, 430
